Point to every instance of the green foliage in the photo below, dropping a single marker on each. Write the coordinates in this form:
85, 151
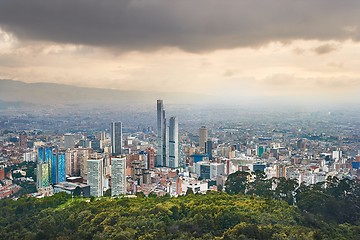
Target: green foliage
108, 193
237, 183
335, 200
216, 215
194, 216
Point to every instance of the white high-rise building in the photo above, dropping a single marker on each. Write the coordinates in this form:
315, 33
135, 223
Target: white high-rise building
337, 155
173, 143
216, 169
116, 138
118, 176
95, 177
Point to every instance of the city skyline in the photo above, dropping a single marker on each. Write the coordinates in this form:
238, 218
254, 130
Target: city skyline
232, 50
255, 133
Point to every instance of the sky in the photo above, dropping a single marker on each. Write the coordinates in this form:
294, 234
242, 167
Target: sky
307, 50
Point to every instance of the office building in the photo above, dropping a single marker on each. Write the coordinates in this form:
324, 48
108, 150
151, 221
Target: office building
44, 168
151, 158
208, 149
216, 169
95, 176
23, 140
118, 176
260, 151
73, 188
336, 155
205, 171
116, 138
143, 156
72, 163
29, 156
58, 168
173, 143
259, 167
69, 140
203, 137
83, 154
162, 151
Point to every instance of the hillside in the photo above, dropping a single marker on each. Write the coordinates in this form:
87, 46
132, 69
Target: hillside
51, 93
211, 216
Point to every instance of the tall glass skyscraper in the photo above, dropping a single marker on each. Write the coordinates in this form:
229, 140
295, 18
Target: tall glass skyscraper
116, 138
44, 167
58, 168
162, 151
173, 143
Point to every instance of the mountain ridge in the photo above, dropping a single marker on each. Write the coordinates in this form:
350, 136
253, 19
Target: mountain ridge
55, 93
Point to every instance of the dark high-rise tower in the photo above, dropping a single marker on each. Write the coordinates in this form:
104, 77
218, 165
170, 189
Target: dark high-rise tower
116, 138
208, 149
162, 137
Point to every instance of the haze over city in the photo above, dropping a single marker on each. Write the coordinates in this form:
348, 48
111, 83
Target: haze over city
243, 51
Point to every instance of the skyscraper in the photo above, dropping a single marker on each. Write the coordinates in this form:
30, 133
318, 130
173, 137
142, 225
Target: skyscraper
208, 148
72, 162
151, 158
23, 140
161, 157
44, 168
203, 137
116, 138
118, 176
58, 168
95, 176
69, 140
173, 143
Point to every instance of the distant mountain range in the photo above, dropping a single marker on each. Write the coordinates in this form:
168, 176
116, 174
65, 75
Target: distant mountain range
51, 93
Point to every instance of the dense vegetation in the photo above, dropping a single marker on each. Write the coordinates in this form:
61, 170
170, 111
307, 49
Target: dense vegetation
319, 213
335, 200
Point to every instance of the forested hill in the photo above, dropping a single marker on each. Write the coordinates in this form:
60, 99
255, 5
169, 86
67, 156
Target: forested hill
211, 216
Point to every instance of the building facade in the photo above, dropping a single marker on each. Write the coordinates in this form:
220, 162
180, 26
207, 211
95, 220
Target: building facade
162, 136
69, 140
203, 137
95, 177
116, 132
58, 168
173, 143
118, 176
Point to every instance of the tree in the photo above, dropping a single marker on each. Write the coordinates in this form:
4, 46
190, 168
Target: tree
152, 195
285, 189
237, 182
107, 193
189, 191
260, 186
78, 192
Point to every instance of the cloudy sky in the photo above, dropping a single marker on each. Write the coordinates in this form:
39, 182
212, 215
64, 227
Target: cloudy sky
306, 49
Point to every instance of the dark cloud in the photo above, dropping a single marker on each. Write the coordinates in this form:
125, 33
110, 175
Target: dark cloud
325, 48
193, 25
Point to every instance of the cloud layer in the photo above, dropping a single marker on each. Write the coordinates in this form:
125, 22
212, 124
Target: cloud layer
192, 25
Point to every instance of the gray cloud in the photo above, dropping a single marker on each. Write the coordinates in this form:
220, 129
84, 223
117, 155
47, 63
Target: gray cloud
193, 25
325, 48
